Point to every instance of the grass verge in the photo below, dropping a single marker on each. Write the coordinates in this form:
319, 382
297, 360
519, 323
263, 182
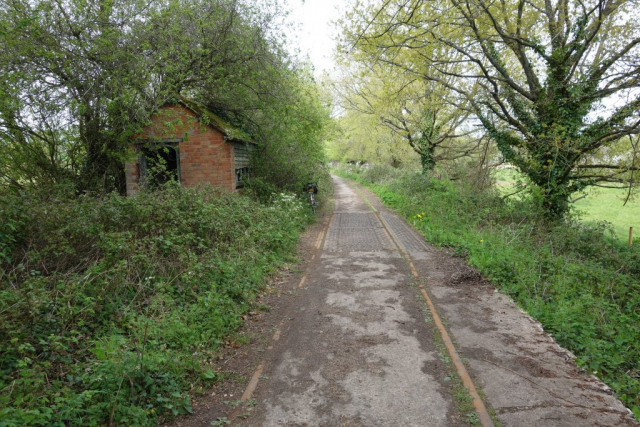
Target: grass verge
583, 287
112, 310
595, 205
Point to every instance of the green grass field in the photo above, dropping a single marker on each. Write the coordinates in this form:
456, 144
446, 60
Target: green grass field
601, 204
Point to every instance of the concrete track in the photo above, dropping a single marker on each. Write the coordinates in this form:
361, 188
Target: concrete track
360, 347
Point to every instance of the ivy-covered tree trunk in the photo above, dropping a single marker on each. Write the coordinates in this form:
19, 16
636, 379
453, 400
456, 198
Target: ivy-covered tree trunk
555, 195
426, 155
548, 164
426, 144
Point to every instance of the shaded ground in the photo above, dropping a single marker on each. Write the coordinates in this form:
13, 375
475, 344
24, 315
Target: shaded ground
348, 341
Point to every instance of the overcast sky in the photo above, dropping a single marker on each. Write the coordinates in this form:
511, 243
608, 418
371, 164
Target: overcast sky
312, 31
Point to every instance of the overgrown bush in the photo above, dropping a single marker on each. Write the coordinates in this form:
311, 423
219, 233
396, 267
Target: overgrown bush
375, 173
580, 283
112, 309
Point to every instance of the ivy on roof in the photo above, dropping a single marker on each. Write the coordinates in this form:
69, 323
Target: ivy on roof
231, 132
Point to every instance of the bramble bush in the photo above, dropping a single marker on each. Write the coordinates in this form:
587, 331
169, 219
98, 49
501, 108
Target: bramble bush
113, 309
576, 279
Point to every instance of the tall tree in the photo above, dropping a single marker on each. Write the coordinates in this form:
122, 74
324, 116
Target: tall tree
419, 111
362, 138
72, 85
557, 80
78, 79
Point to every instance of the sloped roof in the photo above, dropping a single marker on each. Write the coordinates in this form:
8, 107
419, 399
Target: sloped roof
231, 132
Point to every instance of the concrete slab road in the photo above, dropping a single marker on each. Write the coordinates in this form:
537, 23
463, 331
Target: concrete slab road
363, 349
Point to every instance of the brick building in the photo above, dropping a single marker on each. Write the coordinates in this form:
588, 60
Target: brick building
192, 145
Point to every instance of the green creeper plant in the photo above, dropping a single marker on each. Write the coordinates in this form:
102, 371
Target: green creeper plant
553, 83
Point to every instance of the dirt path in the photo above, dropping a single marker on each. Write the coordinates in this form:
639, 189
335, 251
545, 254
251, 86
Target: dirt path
357, 346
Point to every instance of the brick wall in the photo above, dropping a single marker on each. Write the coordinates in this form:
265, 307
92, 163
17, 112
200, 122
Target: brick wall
204, 155
132, 172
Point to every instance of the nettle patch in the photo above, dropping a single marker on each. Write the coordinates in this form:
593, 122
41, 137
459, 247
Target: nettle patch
112, 310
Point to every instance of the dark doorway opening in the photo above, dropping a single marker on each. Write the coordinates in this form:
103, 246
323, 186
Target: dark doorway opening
160, 163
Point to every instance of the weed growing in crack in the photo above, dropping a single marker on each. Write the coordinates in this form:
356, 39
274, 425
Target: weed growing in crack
220, 422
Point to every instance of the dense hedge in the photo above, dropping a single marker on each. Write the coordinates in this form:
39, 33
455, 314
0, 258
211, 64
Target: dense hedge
581, 284
112, 309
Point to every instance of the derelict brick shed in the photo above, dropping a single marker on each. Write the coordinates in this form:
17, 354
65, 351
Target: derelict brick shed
187, 143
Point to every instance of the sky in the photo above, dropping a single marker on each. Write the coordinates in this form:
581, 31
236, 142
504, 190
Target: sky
312, 31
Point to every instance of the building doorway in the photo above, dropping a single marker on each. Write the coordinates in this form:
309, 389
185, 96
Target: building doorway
159, 163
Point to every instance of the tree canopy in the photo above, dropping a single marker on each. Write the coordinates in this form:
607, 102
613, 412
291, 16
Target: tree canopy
554, 83
79, 78
417, 111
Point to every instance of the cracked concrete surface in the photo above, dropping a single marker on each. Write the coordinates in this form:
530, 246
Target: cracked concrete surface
357, 350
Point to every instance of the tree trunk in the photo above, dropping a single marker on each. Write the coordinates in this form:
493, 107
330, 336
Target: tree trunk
555, 200
426, 157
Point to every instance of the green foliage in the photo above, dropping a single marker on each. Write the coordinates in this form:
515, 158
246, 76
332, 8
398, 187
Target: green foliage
553, 84
392, 115
112, 309
293, 130
79, 79
376, 173
581, 285
360, 138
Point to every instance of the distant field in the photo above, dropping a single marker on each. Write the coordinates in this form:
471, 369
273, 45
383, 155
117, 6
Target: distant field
601, 204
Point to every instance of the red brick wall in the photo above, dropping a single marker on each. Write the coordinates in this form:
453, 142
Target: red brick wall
132, 172
204, 155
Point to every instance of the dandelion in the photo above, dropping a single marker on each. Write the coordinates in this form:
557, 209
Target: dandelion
419, 216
